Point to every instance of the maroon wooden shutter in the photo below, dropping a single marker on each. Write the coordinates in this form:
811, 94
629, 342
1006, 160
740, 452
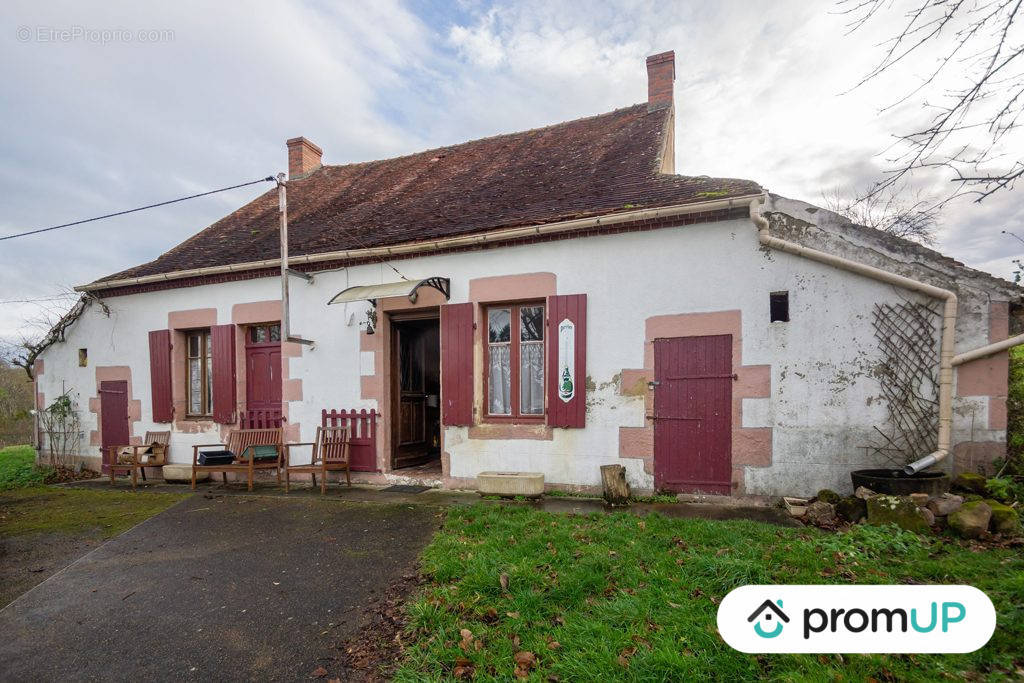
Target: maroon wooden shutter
223, 343
571, 413
457, 364
160, 375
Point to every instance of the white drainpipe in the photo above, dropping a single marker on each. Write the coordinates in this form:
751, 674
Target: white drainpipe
946, 358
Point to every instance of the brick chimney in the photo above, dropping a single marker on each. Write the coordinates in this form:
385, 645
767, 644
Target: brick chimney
661, 72
303, 158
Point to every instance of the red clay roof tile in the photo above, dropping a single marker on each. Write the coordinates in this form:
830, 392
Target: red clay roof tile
586, 167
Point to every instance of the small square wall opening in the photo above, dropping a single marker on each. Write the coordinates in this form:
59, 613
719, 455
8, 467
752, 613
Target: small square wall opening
779, 307
83, 357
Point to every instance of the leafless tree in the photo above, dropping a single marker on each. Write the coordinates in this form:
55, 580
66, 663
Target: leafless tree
972, 98
894, 210
47, 326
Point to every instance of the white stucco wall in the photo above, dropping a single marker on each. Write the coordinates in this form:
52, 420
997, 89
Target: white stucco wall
823, 403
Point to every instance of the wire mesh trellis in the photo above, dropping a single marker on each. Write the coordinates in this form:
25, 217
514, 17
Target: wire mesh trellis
908, 340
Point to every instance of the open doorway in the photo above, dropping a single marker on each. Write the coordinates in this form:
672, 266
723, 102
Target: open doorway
416, 389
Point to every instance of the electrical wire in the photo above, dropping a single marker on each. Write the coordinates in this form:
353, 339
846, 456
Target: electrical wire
141, 208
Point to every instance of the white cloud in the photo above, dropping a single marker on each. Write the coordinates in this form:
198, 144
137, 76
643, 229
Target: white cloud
93, 128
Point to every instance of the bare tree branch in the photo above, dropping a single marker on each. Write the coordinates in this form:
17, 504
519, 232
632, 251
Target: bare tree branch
895, 210
972, 100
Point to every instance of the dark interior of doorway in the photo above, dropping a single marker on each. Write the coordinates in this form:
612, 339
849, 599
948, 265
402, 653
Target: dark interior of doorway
417, 364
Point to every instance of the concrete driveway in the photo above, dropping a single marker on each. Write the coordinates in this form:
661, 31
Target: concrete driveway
215, 588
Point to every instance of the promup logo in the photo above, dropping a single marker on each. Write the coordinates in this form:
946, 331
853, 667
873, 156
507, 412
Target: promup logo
848, 619
765, 613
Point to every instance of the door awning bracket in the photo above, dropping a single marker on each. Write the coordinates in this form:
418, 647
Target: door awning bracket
408, 288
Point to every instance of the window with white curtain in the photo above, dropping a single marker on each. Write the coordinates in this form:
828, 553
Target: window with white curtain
199, 373
515, 360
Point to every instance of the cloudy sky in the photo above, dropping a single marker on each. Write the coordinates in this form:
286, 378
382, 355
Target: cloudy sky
142, 102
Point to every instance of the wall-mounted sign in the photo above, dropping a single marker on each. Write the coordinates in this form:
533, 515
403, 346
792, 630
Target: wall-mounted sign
566, 360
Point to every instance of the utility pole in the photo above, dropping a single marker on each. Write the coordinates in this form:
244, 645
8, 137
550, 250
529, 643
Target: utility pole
286, 272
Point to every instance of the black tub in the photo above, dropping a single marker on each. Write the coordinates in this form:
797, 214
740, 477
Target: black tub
897, 483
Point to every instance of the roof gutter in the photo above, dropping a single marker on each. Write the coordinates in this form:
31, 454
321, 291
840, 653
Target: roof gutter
412, 248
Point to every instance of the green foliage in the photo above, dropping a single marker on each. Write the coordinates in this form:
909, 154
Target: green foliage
657, 498
1005, 489
865, 542
18, 468
1015, 413
622, 597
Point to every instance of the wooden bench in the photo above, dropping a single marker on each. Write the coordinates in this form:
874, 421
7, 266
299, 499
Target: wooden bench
242, 443
157, 445
330, 453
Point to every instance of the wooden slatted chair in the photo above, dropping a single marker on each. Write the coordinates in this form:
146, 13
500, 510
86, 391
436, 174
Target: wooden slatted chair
330, 454
243, 443
130, 460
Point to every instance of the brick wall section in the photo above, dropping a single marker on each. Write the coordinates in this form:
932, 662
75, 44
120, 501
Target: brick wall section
303, 157
987, 377
661, 73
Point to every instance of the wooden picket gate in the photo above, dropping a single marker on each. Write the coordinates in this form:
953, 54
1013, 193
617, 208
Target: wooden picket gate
362, 427
262, 419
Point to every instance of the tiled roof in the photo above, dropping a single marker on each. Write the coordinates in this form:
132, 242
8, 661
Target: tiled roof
592, 166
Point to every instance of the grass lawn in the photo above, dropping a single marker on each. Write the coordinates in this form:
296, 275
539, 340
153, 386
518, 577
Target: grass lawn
18, 468
100, 514
620, 597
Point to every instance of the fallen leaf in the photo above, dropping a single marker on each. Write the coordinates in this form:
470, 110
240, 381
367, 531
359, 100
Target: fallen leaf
319, 672
524, 662
503, 580
623, 662
525, 658
467, 639
512, 615
554, 645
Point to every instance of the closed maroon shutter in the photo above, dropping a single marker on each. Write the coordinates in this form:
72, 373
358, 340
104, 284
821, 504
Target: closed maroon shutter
223, 343
571, 413
160, 375
457, 364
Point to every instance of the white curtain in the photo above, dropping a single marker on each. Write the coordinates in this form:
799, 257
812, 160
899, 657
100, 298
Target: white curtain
531, 379
499, 381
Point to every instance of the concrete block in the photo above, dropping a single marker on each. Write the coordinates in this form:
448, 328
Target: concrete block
177, 474
530, 484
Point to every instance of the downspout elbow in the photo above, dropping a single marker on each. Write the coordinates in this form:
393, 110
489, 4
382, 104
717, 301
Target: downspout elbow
925, 462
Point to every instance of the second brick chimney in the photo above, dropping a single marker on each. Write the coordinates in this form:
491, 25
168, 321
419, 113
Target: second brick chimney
661, 72
303, 157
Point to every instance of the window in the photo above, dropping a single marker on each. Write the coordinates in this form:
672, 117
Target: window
515, 361
83, 357
262, 334
199, 373
779, 307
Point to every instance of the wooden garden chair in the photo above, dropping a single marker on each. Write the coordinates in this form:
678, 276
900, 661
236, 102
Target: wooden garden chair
330, 453
129, 460
245, 445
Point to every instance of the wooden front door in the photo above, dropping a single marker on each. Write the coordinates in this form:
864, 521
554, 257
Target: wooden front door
263, 377
693, 414
113, 417
417, 386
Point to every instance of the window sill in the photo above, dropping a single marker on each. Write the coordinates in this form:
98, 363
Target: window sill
510, 419
510, 429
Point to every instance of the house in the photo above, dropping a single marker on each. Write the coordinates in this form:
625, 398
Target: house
551, 301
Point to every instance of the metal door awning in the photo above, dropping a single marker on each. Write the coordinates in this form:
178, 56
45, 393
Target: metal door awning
401, 288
